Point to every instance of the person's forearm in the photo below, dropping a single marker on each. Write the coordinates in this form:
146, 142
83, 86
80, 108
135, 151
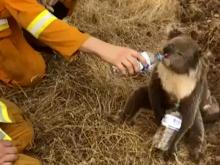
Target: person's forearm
94, 45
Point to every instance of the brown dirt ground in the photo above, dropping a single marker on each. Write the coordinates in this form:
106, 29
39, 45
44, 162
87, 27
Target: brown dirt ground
69, 107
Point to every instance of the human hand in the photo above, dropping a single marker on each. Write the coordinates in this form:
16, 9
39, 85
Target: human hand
125, 59
69, 4
8, 153
48, 4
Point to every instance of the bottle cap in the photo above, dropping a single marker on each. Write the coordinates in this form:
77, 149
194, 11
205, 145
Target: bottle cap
160, 56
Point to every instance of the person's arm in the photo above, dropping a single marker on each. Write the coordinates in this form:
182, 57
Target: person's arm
121, 57
125, 59
66, 39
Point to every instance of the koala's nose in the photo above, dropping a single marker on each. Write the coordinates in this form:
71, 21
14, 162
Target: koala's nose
168, 49
167, 62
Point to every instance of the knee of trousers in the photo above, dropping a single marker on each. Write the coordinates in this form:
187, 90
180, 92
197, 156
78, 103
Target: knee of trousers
21, 130
26, 160
31, 74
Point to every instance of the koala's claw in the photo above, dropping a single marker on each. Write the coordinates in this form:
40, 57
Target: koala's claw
196, 154
170, 154
126, 118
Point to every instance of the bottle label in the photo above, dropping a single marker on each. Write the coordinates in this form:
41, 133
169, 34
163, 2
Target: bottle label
172, 122
146, 57
148, 60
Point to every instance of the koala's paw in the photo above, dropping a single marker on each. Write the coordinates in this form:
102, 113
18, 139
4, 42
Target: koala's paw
196, 154
169, 155
114, 119
126, 118
121, 118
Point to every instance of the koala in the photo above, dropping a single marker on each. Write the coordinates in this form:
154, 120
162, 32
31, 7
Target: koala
180, 78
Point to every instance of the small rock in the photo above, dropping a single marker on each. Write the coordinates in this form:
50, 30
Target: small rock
217, 158
209, 53
208, 21
216, 15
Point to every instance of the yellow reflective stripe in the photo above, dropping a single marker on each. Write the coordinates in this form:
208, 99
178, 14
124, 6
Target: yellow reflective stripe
7, 137
3, 24
4, 136
3, 27
4, 113
40, 23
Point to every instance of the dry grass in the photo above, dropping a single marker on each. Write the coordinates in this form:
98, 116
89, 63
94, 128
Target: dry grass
69, 107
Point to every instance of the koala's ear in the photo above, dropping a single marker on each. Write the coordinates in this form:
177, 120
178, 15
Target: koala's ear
194, 35
174, 33
198, 54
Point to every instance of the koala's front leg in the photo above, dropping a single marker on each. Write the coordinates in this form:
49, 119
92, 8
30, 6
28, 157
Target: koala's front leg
137, 100
158, 97
196, 137
187, 122
188, 109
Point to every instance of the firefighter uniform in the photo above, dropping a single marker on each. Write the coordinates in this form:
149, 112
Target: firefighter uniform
15, 127
21, 65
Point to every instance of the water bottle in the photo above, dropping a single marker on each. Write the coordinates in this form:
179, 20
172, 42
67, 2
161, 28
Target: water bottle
151, 59
166, 133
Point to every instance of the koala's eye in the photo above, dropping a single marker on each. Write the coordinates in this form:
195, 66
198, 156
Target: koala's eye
168, 49
180, 53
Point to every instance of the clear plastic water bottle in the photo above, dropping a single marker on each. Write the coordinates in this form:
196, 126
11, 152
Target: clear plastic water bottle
151, 59
166, 133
